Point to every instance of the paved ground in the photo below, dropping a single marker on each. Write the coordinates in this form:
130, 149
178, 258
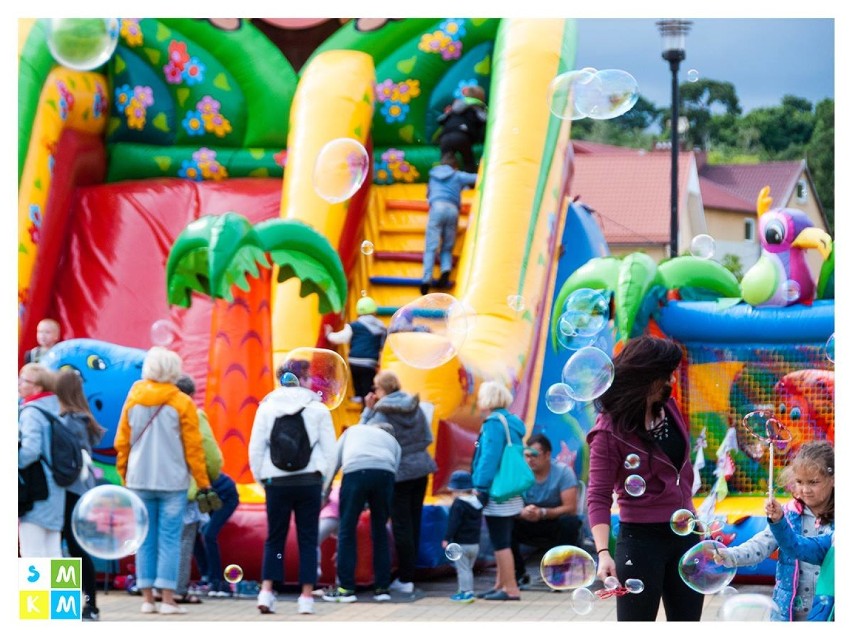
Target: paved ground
429, 604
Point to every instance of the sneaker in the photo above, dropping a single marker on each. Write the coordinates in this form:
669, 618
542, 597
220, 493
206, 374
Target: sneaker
466, 596
266, 602
444, 280
524, 581
221, 594
424, 288
90, 613
340, 595
306, 605
406, 587
169, 609
148, 608
382, 594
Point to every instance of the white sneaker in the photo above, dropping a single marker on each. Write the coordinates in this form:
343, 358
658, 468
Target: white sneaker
402, 586
306, 605
266, 602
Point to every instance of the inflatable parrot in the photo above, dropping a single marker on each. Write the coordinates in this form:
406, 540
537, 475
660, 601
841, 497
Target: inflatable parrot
781, 276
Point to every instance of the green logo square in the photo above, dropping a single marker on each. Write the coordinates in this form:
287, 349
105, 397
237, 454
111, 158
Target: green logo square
66, 573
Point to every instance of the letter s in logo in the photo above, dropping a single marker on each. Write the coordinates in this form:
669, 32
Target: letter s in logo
34, 575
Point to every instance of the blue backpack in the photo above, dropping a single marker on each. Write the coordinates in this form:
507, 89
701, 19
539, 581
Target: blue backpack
65, 453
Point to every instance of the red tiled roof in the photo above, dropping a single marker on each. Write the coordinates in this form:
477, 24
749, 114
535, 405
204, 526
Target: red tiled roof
738, 185
584, 147
631, 193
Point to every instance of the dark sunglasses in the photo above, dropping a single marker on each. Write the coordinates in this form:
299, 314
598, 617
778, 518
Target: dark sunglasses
532, 452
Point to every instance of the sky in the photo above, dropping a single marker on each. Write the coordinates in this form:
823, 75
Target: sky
764, 59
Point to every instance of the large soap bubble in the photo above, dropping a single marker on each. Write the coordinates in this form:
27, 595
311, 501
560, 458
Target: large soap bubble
110, 522
82, 44
340, 170
567, 334
429, 331
611, 93
747, 607
583, 601
558, 399
588, 373
567, 567
588, 311
699, 570
703, 246
566, 90
320, 370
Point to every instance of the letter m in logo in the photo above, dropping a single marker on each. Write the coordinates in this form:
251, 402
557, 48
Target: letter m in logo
66, 573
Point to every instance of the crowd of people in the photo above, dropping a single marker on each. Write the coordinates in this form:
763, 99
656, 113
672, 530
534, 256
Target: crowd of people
167, 455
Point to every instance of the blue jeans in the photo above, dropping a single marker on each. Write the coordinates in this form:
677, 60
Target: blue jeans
212, 564
305, 501
159, 555
443, 221
374, 488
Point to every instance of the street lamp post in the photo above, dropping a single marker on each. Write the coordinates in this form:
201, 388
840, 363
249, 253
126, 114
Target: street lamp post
674, 51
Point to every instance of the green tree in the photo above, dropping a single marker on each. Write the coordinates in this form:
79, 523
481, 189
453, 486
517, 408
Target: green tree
628, 130
702, 101
780, 127
734, 264
820, 156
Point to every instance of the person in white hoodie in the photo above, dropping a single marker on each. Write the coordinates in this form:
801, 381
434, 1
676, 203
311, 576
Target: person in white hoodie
298, 492
369, 455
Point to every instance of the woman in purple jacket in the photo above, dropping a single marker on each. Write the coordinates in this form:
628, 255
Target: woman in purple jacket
640, 431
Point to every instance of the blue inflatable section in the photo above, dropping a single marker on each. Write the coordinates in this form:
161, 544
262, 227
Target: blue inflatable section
744, 324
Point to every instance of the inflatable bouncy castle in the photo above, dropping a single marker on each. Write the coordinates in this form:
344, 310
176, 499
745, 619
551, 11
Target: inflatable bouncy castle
190, 118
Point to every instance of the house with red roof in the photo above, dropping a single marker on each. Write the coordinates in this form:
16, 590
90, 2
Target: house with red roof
628, 190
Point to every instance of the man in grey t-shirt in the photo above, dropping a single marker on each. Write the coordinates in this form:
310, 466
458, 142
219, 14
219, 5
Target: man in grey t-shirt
549, 517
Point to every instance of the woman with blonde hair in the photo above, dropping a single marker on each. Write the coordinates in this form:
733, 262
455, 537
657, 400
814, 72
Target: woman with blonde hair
493, 401
40, 531
158, 446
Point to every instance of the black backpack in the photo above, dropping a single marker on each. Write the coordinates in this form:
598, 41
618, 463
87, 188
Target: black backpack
289, 445
65, 451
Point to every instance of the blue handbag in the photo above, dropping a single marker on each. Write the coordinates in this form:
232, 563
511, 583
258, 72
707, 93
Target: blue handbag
514, 476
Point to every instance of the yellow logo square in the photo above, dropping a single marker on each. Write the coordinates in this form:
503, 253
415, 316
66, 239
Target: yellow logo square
34, 604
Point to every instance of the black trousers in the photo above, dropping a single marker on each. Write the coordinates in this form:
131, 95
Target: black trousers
459, 142
651, 552
362, 379
562, 531
75, 550
406, 512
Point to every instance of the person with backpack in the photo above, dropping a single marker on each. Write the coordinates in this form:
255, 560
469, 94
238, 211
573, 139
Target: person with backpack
158, 447
40, 529
291, 454
75, 411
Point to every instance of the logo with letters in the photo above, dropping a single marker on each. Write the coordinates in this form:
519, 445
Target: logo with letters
50, 588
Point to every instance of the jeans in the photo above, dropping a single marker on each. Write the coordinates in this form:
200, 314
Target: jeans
76, 550
443, 221
158, 557
375, 488
562, 531
281, 501
405, 517
211, 564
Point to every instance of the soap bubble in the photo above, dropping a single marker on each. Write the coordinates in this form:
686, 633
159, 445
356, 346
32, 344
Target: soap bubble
453, 552
692, 75
567, 567
682, 522
699, 570
763, 425
82, 44
634, 485
703, 246
289, 380
631, 462
727, 591
564, 92
516, 302
583, 601
588, 373
587, 310
792, 291
320, 370
829, 349
367, 247
611, 582
610, 93
634, 586
110, 522
567, 335
163, 333
340, 170
558, 399
429, 331
747, 607
233, 573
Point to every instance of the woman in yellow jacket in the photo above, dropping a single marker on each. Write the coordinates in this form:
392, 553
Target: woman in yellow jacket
158, 448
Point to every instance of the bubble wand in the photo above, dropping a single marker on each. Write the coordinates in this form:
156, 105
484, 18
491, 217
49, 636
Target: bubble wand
763, 426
